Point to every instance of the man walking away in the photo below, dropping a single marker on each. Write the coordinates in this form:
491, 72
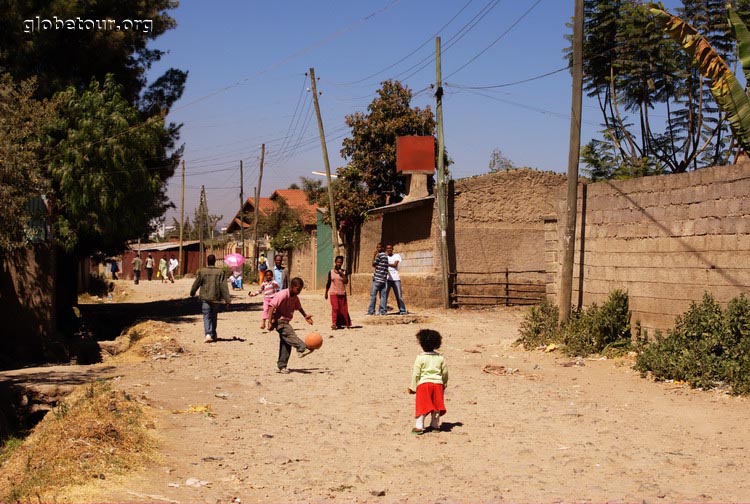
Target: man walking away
137, 263
212, 283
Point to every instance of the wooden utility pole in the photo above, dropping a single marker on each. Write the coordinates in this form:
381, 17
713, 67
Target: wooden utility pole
182, 217
202, 223
441, 186
242, 209
334, 230
571, 207
255, 210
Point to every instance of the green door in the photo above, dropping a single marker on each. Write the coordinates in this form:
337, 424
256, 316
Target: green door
324, 262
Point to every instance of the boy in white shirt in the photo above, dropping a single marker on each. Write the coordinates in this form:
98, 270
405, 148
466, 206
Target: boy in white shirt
394, 280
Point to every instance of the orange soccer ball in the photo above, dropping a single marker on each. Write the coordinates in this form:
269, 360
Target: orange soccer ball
314, 340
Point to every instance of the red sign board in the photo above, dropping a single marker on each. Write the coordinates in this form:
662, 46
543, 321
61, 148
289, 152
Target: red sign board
415, 154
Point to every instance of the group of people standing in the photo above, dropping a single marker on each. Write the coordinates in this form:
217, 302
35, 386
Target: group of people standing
165, 270
385, 279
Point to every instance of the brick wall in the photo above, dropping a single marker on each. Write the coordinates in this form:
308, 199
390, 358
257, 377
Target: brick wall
666, 240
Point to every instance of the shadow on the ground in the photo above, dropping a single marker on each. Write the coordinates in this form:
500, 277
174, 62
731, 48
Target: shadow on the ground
229, 340
310, 370
106, 321
449, 426
55, 375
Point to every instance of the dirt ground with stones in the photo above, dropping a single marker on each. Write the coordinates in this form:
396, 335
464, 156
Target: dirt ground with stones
541, 428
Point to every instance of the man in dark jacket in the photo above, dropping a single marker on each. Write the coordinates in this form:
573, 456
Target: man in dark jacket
212, 283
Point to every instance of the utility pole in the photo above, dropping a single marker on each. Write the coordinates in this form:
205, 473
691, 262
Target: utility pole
202, 223
571, 207
242, 209
334, 230
255, 210
182, 217
441, 189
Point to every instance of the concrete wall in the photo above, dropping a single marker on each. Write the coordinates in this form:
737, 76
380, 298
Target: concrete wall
666, 240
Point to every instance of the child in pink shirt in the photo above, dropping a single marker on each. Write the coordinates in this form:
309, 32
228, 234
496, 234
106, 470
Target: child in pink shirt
268, 288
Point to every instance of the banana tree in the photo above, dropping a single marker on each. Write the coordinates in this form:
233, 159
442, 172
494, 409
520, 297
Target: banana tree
729, 94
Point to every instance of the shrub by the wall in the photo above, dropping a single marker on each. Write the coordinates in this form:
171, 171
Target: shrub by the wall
708, 347
539, 326
597, 329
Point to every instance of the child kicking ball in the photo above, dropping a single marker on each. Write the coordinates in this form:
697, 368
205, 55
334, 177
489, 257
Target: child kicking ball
280, 312
428, 381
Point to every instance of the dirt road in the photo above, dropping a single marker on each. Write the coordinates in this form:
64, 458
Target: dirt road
337, 428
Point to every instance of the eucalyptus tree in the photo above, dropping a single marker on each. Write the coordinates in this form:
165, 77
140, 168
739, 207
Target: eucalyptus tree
657, 111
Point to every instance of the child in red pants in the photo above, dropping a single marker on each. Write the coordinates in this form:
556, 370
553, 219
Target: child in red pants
336, 283
428, 381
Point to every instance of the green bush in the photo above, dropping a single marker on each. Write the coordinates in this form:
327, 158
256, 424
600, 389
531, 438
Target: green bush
599, 329
707, 347
539, 327
593, 330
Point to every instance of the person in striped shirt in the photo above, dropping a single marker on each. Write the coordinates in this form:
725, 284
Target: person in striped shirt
268, 288
379, 281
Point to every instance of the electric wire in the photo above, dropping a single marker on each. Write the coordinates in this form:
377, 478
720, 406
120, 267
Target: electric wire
513, 25
432, 38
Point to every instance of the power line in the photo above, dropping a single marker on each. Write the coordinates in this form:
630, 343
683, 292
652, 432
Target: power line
453, 40
291, 57
431, 39
528, 11
294, 114
508, 84
527, 107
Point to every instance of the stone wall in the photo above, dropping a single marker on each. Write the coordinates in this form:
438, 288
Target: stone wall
666, 240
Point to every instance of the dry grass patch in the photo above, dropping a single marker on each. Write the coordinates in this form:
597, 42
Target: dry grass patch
95, 433
151, 338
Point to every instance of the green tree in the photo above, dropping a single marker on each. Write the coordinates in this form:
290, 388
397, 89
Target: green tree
61, 58
104, 193
22, 123
284, 225
70, 59
632, 69
371, 149
187, 229
725, 88
314, 190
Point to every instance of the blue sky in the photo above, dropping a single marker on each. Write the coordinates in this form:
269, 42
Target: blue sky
247, 62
